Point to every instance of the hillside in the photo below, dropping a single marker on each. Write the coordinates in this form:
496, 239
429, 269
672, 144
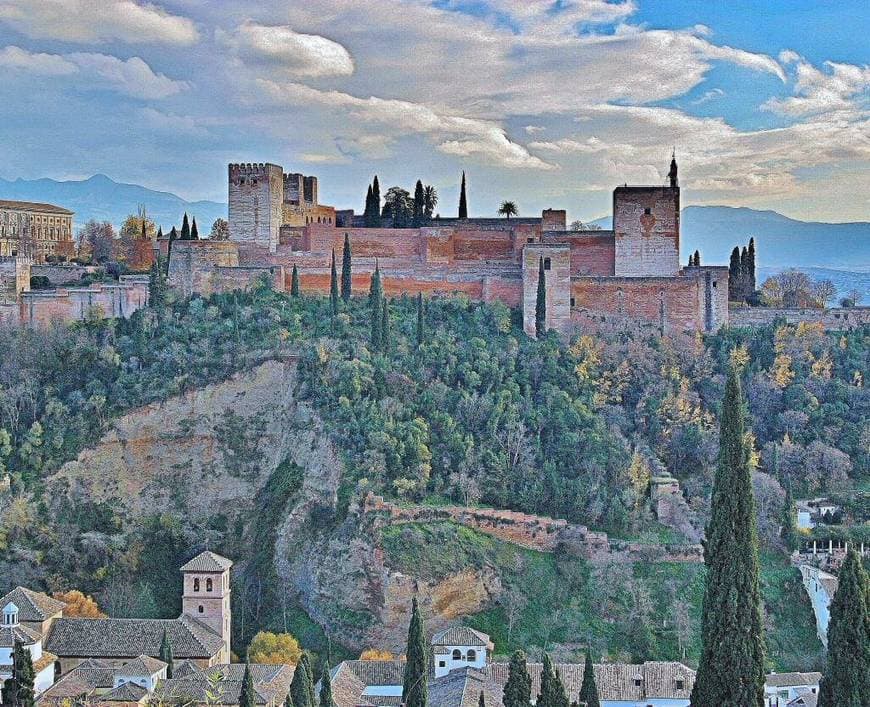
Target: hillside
257, 424
104, 199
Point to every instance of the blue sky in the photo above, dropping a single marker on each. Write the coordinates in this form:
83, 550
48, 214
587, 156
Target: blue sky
550, 104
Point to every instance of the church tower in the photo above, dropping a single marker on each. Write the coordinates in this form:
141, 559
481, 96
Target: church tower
206, 595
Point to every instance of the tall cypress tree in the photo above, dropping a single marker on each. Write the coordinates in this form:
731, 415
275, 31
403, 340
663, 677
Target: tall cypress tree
376, 203
305, 660
246, 697
731, 670
415, 690
463, 202
294, 282
750, 268
734, 275
18, 689
173, 236
194, 231
418, 205
420, 320
326, 699
846, 680
518, 688
166, 653
744, 274
481, 702
541, 302
697, 259
333, 286
552, 690
377, 322
375, 288
367, 214
185, 228
156, 285
346, 279
789, 531
386, 333
589, 690
300, 687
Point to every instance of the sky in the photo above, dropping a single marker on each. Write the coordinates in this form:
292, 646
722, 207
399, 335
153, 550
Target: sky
549, 103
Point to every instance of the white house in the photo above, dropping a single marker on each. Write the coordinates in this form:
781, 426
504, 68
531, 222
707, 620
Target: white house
12, 632
780, 689
143, 671
459, 647
821, 587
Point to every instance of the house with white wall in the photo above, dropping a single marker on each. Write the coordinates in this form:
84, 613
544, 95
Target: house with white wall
821, 587
780, 689
459, 647
13, 632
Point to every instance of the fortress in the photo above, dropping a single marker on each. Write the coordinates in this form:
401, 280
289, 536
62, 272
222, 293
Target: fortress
630, 272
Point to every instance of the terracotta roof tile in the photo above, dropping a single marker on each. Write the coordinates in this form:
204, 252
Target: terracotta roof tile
207, 561
460, 636
32, 606
33, 206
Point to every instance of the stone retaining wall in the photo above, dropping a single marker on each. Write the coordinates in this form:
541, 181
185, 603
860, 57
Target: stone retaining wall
834, 319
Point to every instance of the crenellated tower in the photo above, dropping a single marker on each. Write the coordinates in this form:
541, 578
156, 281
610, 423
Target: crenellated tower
256, 195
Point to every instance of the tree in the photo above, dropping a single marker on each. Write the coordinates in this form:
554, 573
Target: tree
744, 274
420, 319
97, 241
220, 230
346, 278
367, 213
696, 259
185, 228
376, 654
157, 284
301, 687
166, 653
294, 282
589, 690
552, 690
824, 291
194, 231
326, 699
749, 273
333, 286
789, 531
173, 236
463, 202
430, 201
583, 226
79, 604
415, 691
246, 697
734, 276
386, 334
399, 206
518, 688
417, 219
541, 302
846, 680
375, 287
274, 649
481, 702
18, 689
508, 209
376, 203
377, 323
731, 669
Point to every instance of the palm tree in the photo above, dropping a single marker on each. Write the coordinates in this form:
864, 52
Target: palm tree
430, 200
508, 209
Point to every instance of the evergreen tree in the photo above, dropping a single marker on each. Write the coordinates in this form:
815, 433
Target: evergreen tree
294, 282
697, 259
367, 214
18, 689
346, 283
246, 697
518, 688
846, 680
417, 219
300, 687
386, 334
377, 323
415, 690
159, 233
731, 669
173, 236
305, 660
326, 699
789, 531
375, 288
541, 302
144, 234
185, 228
376, 203
166, 653
734, 275
749, 274
552, 690
481, 702
420, 319
333, 286
463, 202
744, 274
156, 284
194, 231
589, 690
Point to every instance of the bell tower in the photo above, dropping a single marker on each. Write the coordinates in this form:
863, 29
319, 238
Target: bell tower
206, 595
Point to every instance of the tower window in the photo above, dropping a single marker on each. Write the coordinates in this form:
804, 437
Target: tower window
208, 585
572, 301
200, 609
647, 211
546, 263
196, 584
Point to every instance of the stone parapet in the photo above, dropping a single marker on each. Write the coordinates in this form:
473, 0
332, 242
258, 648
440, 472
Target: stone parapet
833, 319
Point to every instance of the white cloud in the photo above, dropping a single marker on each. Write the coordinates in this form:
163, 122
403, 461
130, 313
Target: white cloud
546, 15
132, 77
173, 123
15, 58
708, 96
841, 87
97, 21
300, 54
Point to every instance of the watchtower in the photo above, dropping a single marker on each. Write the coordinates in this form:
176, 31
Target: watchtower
206, 594
256, 195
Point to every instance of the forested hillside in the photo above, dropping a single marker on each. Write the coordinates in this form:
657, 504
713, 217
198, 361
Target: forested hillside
450, 402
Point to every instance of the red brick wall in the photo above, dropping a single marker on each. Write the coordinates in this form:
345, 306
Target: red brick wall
592, 252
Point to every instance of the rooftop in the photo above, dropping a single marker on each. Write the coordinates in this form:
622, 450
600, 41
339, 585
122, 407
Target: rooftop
207, 561
34, 206
792, 679
461, 636
271, 684
32, 606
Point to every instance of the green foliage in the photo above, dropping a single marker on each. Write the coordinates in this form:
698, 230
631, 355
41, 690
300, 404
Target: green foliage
463, 202
18, 690
732, 666
541, 302
326, 699
552, 689
518, 688
294, 282
421, 322
333, 286
846, 681
166, 653
247, 697
415, 690
589, 690
346, 277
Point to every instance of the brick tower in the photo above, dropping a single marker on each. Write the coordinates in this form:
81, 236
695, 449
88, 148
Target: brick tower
206, 595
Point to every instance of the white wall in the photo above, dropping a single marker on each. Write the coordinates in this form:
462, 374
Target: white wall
451, 664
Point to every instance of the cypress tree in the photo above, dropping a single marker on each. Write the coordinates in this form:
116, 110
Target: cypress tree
697, 259
552, 690
420, 320
159, 232
294, 282
463, 202
305, 660
326, 685
166, 653
144, 234
333, 286
734, 275
744, 274
789, 532
185, 228
418, 205
246, 697
415, 690
173, 236
194, 231
346, 282
731, 669
376, 203
481, 702
300, 687
367, 214
541, 302
589, 690
375, 289
156, 285
376, 325
386, 334
846, 680
518, 688
750, 269
18, 689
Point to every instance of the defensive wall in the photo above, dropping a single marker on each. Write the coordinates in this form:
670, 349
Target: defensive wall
66, 274
834, 319
207, 267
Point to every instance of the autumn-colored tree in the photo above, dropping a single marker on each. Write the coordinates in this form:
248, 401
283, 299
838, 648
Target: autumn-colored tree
376, 654
79, 604
274, 648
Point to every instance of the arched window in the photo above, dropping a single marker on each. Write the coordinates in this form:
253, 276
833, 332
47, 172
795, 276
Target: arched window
457, 654
201, 610
472, 655
208, 584
196, 584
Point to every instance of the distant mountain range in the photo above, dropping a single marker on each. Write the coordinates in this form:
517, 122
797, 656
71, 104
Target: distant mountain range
104, 199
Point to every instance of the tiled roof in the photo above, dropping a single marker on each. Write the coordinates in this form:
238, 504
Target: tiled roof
126, 692
792, 679
207, 562
615, 681
33, 206
462, 688
32, 606
271, 684
809, 699
142, 666
183, 668
10, 634
377, 672
460, 636
347, 688
43, 662
119, 638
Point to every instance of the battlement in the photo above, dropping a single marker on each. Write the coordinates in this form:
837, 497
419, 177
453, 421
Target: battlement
253, 169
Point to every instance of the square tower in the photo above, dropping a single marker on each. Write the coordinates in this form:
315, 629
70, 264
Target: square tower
256, 196
646, 230
555, 258
206, 594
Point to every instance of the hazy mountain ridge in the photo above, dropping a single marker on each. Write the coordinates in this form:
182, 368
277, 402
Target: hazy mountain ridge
101, 198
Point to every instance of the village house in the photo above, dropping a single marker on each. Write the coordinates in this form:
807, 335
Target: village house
821, 587
13, 631
781, 689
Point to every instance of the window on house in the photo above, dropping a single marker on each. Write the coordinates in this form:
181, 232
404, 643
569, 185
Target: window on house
647, 211
472, 656
208, 585
638, 682
572, 301
196, 584
546, 263
457, 654
680, 684
714, 283
200, 609
530, 240
442, 664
